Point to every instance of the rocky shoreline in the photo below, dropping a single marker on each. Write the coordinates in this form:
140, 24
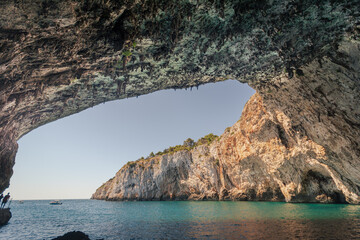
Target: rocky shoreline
260, 158
302, 57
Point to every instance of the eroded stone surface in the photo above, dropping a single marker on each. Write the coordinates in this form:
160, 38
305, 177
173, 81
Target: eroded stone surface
60, 57
259, 158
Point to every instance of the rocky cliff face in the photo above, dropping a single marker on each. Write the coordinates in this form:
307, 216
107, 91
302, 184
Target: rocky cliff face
259, 158
60, 57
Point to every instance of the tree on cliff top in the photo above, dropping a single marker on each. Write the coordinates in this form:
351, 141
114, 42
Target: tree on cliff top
189, 143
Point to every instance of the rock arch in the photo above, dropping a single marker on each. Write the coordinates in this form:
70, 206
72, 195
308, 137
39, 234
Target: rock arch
60, 57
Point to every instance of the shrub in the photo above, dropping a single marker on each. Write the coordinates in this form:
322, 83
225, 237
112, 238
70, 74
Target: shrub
187, 146
127, 53
207, 139
189, 143
131, 164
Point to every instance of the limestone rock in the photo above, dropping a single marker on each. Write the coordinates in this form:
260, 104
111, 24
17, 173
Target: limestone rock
259, 158
60, 57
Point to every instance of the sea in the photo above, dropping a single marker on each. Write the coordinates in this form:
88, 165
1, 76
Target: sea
182, 220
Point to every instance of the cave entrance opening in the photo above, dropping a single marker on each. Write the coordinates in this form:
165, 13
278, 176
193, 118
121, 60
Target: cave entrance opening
71, 157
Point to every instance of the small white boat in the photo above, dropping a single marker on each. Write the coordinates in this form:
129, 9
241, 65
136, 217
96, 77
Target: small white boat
57, 202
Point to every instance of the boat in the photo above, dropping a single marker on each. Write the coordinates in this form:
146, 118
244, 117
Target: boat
21, 201
56, 202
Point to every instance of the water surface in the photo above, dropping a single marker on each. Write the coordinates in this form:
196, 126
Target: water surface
182, 220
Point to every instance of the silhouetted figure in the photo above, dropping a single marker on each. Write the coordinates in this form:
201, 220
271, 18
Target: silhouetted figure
4, 201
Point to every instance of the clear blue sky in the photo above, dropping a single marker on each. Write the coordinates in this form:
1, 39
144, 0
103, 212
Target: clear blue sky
71, 157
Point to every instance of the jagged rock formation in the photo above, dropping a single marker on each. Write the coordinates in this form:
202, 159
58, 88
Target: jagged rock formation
60, 57
261, 157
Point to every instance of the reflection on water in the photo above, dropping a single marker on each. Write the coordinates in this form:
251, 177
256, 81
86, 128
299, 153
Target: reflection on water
183, 220
277, 229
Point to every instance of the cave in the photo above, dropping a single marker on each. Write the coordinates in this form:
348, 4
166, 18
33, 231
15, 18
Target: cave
80, 152
58, 58
318, 188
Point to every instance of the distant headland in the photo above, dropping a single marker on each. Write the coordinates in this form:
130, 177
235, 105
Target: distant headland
258, 159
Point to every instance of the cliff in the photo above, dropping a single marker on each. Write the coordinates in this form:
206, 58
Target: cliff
259, 158
58, 58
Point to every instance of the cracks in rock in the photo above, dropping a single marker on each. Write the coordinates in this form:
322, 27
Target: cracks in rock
283, 136
230, 38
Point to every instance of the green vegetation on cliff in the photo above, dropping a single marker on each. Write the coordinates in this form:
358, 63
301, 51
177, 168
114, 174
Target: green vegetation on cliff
188, 145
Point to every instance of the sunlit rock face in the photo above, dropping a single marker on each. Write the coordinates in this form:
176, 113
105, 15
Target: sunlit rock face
60, 57
262, 157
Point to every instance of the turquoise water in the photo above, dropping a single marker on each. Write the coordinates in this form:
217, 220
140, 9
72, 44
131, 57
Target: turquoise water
182, 220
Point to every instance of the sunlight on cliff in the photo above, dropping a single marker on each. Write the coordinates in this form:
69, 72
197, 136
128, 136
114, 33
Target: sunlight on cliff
73, 156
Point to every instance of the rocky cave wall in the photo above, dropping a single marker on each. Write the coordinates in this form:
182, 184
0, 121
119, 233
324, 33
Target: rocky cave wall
264, 156
60, 57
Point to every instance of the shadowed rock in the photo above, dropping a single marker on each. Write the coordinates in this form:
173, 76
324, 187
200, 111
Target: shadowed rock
60, 57
5, 216
260, 158
75, 235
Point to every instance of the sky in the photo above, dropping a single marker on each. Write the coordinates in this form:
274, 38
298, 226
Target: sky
71, 157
